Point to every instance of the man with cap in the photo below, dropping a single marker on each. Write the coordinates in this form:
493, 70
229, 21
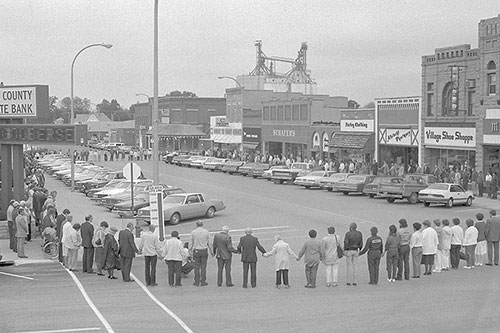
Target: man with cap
21, 232
247, 247
11, 224
127, 250
223, 251
199, 247
87, 232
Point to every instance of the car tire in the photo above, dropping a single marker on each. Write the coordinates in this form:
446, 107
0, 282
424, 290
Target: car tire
371, 195
255, 177
413, 198
329, 189
175, 219
308, 187
345, 193
427, 204
390, 199
469, 201
449, 203
210, 212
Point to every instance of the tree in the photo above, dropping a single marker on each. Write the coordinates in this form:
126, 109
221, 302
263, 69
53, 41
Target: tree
81, 106
177, 93
114, 110
370, 105
352, 104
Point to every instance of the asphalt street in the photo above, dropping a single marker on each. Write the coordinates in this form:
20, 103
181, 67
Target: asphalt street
463, 300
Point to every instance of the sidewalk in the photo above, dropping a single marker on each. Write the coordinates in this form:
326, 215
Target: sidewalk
79, 206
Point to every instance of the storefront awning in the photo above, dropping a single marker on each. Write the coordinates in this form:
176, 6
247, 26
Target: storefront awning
351, 140
250, 145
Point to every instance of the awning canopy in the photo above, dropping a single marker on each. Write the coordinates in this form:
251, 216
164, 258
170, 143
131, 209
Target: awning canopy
178, 130
353, 141
250, 145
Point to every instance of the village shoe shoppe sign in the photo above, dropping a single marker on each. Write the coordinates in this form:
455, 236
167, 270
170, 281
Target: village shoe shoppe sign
464, 137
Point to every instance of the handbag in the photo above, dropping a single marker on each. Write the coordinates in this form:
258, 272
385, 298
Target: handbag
340, 251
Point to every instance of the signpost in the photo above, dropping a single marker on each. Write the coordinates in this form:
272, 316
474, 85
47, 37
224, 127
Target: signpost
156, 208
131, 171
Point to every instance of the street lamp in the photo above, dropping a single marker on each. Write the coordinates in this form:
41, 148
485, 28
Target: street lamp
108, 46
241, 93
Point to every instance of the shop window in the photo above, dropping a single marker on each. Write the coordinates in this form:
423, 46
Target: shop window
430, 102
265, 113
295, 112
176, 116
470, 102
192, 116
280, 113
494, 127
288, 112
273, 113
491, 66
303, 112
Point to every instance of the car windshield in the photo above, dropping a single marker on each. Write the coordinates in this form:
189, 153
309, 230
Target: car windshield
438, 186
174, 199
316, 174
356, 179
123, 185
338, 176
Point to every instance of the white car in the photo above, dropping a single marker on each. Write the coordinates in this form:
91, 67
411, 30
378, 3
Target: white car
312, 179
447, 194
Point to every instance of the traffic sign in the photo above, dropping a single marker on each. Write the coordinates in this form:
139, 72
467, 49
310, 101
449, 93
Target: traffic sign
131, 171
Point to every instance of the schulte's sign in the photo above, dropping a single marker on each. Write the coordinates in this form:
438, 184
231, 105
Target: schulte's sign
363, 125
450, 136
17, 102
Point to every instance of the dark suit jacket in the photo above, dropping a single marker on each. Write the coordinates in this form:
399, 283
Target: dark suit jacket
492, 229
247, 246
223, 246
87, 232
126, 242
59, 220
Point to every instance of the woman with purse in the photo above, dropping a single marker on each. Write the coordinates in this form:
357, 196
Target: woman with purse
331, 253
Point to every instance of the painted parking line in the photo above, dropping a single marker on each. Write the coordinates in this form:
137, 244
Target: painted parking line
84, 329
161, 305
17, 276
89, 302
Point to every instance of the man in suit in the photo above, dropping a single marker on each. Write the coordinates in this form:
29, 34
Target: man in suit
127, 250
223, 251
492, 232
87, 232
246, 247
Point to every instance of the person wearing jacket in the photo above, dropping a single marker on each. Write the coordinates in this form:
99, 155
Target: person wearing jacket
375, 248
470, 242
73, 243
223, 250
247, 247
281, 251
21, 232
311, 251
353, 242
329, 253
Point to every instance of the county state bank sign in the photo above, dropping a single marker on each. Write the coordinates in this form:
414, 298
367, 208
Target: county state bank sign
24, 102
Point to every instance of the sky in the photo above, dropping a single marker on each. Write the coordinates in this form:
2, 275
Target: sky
359, 49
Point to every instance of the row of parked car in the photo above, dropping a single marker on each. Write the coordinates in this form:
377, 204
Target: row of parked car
129, 198
411, 187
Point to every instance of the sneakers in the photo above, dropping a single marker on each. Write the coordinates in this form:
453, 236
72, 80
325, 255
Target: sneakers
467, 267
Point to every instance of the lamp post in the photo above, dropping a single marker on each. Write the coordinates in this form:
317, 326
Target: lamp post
154, 118
108, 46
241, 93
141, 143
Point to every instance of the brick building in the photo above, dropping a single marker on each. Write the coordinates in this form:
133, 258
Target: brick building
461, 103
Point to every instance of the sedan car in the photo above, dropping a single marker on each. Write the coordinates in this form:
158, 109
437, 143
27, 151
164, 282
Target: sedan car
447, 194
232, 166
214, 164
141, 200
267, 174
182, 206
353, 183
312, 179
328, 182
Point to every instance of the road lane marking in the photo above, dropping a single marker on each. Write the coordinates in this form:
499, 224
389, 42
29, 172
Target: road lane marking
90, 303
468, 210
86, 329
161, 305
18, 276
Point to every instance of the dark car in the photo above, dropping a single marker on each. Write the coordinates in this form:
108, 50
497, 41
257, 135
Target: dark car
232, 166
373, 188
353, 183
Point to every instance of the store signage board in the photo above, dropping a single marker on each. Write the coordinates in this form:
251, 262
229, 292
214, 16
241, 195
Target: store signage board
46, 133
461, 137
18, 102
357, 125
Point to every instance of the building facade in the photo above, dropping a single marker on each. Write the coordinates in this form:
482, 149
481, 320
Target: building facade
397, 135
461, 103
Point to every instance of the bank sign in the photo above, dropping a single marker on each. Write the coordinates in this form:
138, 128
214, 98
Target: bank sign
18, 102
464, 137
356, 125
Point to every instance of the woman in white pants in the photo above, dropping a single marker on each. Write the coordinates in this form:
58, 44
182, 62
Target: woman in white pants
330, 257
